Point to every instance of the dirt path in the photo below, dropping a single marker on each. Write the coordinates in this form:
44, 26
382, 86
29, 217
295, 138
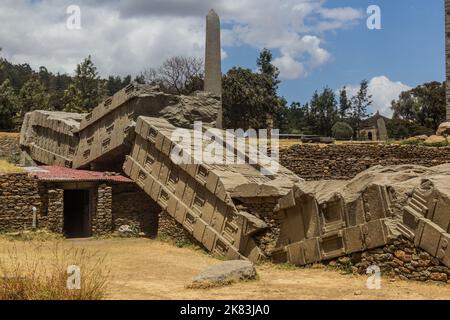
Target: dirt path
146, 269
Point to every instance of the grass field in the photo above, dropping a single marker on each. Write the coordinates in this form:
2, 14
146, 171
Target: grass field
9, 135
6, 167
287, 143
151, 269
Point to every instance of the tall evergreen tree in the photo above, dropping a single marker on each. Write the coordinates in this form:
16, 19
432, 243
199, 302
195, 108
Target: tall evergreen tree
345, 104
323, 112
266, 67
87, 89
360, 104
271, 74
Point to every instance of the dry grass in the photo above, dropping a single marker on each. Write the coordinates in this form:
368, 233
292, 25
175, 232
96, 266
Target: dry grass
149, 269
41, 235
9, 134
42, 274
6, 167
287, 143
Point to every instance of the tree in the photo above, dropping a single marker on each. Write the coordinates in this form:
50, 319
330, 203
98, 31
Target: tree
360, 103
271, 73
1, 60
400, 129
244, 96
56, 88
73, 100
32, 96
17, 74
115, 84
423, 105
298, 118
177, 75
342, 131
250, 99
345, 104
266, 67
87, 89
282, 118
323, 112
8, 106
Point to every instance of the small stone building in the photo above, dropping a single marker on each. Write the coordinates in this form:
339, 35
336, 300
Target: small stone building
374, 128
75, 203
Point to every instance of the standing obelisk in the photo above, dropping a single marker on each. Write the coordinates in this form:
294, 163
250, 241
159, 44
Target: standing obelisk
213, 61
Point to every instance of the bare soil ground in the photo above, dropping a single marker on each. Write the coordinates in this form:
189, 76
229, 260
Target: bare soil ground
148, 269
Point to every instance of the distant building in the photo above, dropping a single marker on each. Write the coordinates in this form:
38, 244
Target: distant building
374, 128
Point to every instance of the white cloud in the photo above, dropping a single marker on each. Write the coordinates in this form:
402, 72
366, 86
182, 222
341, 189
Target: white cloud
383, 91
124, 37
293, 27
289, 68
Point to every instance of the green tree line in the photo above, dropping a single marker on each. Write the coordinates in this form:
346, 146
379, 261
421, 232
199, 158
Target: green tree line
23, 89
250, 98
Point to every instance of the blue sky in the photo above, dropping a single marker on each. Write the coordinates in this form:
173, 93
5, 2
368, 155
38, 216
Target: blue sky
409, 48
316, 43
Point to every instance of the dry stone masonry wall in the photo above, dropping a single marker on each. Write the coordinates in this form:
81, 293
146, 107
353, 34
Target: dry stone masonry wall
133, 207
344, 162
18, 195
401, 258
55, 218
9, 147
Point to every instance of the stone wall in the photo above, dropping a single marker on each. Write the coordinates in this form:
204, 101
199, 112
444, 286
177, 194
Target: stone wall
18, 195
9, 147
169, 228
55, 211
112, 206
102, 218
133, 207
401, 258
263, 208
344, 162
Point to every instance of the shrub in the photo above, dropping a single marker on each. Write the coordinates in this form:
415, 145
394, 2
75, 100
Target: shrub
342, 131
411, 142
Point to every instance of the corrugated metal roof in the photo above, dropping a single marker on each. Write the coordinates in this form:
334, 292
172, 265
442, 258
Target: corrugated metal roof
61, 174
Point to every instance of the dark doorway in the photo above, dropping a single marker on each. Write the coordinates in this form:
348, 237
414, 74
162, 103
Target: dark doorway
370, 136
77, 222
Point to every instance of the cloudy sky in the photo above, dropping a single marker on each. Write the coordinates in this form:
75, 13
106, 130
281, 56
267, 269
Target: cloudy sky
316, 43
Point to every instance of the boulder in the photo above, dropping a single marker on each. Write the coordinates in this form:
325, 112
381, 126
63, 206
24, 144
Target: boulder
224, 274
184, 111
444, 129
127, 231
436, 140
